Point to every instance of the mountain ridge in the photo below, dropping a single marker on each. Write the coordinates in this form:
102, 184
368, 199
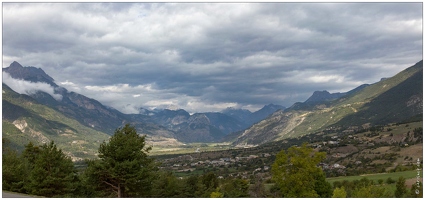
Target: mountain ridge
301, 118
239, 126
166, 124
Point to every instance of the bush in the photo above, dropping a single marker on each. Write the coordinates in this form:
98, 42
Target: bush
390, 180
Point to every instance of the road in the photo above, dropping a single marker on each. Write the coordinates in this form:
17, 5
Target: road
15, 195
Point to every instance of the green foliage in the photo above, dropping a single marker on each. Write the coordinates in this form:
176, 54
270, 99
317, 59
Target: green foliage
124, 166
216, 195
371, 191
31, 152
401, 189
16, 139
390, 180
321, 186
209, 182
167, 186
15, 170
339, 193
53, 174
193, 187
416, 191
235, 188
258, 190
297, 175
50, 123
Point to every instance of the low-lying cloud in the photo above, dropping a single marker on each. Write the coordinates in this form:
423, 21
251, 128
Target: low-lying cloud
26, 87
205, 56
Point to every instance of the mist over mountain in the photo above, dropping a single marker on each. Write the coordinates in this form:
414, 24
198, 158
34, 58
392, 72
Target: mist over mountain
391, 99
175, 124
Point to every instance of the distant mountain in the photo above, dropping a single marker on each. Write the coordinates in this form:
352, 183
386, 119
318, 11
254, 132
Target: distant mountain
249, 117
242, 115
264, 112
163, 126
209, 126
199, 127
86, 111
321, 96
390, 100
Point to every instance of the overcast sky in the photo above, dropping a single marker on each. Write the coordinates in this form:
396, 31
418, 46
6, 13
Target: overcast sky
210, 56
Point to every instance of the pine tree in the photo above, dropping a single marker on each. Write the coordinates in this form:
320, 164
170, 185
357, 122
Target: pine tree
124, 166
53, 173
15, 170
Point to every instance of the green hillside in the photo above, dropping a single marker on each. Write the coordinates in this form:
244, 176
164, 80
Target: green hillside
25, 120
392, 100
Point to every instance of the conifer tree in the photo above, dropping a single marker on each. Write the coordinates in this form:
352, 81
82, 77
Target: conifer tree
124, 166
15, 169
53, 173
400, 187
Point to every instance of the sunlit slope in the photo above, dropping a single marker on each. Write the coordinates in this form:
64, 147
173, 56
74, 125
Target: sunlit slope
25, 120
391, 100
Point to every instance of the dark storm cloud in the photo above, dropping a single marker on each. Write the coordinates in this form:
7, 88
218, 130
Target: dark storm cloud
206, 57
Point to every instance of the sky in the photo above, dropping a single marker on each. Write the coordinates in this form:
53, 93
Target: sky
205, 57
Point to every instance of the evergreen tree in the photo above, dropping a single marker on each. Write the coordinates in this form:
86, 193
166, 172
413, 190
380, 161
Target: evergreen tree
193, 187
209, 184
321, 186
167, 186
400, 187
235, 188
31, 152
124, 166
53, 173
15, 170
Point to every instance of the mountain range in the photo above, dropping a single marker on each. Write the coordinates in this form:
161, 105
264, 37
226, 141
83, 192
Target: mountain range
162, 127
390, 100
79, 124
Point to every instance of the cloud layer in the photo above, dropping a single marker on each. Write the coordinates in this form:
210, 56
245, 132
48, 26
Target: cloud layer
27, 87
208, 56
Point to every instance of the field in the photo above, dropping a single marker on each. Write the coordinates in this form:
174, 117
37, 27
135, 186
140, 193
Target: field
190, 148
376, 177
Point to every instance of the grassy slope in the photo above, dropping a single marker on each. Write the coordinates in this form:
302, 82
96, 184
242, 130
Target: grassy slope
376, 177
322, 118
43, 122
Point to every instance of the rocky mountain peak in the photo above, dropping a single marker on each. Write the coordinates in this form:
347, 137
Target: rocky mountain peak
32, 74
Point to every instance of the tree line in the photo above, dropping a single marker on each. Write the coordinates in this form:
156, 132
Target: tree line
124, 169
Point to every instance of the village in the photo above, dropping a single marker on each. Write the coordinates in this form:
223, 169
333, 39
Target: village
238, 166
348, 151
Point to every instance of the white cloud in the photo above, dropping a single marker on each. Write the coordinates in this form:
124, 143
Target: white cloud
70, 86
27, 87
